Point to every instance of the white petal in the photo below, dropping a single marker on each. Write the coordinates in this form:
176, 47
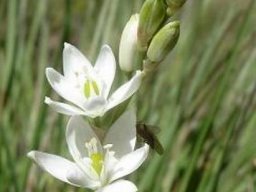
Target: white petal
55, 165
130, 162
74, 61
120, 185
76, 176
64, 108
105, 67
63, 87
96, 106
79, 132
125, 91
122, 134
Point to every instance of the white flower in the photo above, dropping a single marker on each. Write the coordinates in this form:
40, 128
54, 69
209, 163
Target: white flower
88, 87
128, 44
98, 167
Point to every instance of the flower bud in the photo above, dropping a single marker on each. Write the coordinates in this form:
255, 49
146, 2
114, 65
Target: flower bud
152, 15
163, 42
128, 44
174, 5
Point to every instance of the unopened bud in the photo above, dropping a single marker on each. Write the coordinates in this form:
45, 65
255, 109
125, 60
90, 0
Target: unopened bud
174, 5
163, 42
128, 44
152, 15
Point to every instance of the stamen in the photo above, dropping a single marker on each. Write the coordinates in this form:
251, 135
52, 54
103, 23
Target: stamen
94, 145
89, 148
108, 146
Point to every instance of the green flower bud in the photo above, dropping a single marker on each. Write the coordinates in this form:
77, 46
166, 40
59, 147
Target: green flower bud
163, 42
174, 5
152, 15
128, 44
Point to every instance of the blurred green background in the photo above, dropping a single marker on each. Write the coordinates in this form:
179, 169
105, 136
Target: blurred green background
202, 96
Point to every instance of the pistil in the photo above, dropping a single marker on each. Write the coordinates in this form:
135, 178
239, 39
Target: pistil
95, 156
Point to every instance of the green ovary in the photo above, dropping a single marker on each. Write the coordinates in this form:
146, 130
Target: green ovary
87, 90
97, 162
95, 88
90, 86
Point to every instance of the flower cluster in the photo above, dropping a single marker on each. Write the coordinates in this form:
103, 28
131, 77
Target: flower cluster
100, 162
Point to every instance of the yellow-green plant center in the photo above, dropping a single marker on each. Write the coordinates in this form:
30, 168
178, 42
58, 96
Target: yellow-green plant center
97, 161
90, 86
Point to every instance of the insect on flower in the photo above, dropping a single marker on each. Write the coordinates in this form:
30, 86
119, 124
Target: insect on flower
147, 133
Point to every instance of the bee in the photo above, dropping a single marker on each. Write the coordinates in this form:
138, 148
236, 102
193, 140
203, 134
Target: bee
146, 133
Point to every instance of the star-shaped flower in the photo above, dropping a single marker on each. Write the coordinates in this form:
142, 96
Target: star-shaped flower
88, 87
97, 166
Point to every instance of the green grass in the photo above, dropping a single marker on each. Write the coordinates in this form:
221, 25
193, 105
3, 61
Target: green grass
202, 96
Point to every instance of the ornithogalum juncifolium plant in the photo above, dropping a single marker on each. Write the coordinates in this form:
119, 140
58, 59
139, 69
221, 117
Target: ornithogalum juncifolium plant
97, 165
100, 162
